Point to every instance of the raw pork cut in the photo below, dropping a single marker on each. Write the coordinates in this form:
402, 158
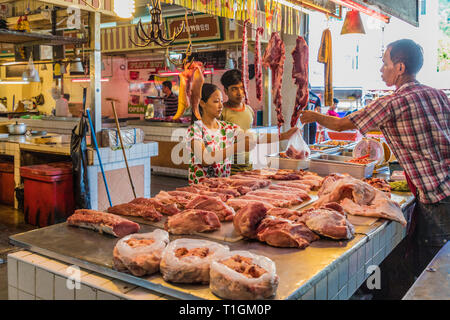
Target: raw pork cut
273, 58
292, 184
136, 210
192, 221
284, 233
247, 219
165, 207
258, 64
103, 222
140, 253
328, 222
237, 204
300, 75
272, 194
223, 211
241, 275
360, 198
285, 214
300, 192
245, 79
166, 198
293, 153
197, 84
188, 260
274, 202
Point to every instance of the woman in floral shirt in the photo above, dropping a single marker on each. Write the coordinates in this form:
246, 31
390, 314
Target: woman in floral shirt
211, 142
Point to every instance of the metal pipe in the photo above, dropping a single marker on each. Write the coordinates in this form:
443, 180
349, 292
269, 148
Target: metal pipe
121, 143
94, 139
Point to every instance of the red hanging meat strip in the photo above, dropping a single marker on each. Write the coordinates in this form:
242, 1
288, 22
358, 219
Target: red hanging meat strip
245, 79
274, 57
258, 64
300, 75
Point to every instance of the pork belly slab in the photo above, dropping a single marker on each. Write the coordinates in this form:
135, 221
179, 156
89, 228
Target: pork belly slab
223, 211
192, 221
136, 210
103, 222
359, 198
247, 219
283, 233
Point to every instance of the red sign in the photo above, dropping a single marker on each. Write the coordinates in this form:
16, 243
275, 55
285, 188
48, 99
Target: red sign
136, 65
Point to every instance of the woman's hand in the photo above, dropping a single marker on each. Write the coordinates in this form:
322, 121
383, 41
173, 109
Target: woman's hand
307, 116
288, 134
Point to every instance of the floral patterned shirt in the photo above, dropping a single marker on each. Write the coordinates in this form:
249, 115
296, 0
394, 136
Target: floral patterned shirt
214, 140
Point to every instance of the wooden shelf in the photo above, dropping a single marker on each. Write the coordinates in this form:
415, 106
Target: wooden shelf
30, 38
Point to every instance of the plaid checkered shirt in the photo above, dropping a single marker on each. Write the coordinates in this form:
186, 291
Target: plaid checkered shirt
415, 121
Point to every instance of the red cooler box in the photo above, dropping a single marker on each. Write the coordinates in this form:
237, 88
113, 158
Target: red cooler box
7, 184
48, 193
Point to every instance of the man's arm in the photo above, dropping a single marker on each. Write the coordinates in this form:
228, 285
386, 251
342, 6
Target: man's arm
333, 123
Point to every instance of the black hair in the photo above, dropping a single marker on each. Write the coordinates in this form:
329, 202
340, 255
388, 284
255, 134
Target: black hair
335, 100
167, 84
231, 78
207, 90
409, 53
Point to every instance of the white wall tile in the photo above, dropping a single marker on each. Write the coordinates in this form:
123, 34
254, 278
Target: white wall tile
333, 282
343, 273
13, 293
351, 286
360, 276
101, 295
45, 283
62, 292
19, 254
369, 250
95, 280
26, 277
85, 293
321, 289
361, 256
12, 271
117, 287
309, 295
142, 294
353, 264
25, 296
343, 294
53, 266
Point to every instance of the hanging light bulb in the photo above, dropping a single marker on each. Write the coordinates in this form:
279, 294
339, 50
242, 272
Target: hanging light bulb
124, 8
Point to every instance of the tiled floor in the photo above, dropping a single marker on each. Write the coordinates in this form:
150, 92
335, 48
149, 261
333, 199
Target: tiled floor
12, 222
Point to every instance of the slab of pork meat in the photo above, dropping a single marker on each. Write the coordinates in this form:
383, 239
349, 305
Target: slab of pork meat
136, 210
285, 213
300, 56
237, 204
359, 198
329, 222
167, 208
247, 219
258, 64
284, 233
294, 185
273, 58
166, 198
303, 194
103, 222
275, 202
245, 79
223, 211
192, 221
276, 195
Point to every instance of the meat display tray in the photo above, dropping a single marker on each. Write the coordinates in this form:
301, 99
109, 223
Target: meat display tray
298, 270
326, 164
275, 161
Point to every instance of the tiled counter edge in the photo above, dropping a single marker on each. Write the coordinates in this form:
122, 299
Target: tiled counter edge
35, 277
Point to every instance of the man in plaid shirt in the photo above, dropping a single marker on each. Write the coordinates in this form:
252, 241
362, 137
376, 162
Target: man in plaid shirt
415, 120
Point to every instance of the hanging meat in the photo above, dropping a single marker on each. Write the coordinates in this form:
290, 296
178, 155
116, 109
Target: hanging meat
190, 92
245, 79
325, 57
300, 75
258, 64
273, 58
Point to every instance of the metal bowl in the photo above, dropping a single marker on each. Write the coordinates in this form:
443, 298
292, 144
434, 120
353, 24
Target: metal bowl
17, 128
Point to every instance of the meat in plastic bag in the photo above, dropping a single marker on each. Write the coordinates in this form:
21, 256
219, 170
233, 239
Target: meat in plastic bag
140, 253
241, 275
189, 260
297, 147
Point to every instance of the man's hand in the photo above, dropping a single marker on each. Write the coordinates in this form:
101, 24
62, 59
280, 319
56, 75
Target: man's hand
307, 116
288, 134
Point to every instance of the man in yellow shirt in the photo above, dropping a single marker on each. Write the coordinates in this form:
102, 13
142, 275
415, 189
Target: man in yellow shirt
237, 112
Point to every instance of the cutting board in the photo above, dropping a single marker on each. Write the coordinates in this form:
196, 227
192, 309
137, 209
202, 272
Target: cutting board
51, 137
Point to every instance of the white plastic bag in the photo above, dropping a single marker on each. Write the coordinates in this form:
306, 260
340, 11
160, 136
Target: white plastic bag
230, 284
190, 268
297, 147
137, 258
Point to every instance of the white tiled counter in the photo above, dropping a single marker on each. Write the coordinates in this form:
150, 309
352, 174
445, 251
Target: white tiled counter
35, 277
